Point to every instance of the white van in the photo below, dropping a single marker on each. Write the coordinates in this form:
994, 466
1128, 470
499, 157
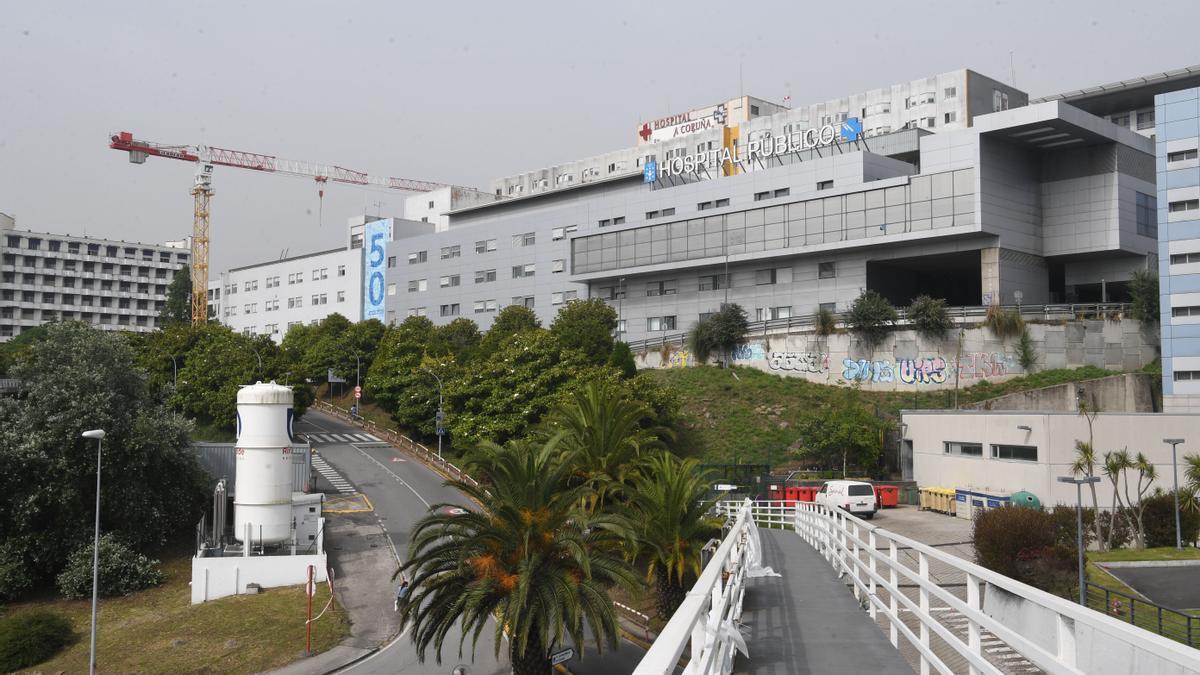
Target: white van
853, 496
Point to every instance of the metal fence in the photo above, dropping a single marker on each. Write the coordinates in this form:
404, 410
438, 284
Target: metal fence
960, 315
220, 461
1143, 614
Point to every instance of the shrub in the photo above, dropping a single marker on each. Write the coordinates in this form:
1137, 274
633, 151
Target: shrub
720, 332
826, 324
1159, 520
871, 317
1026, 353
1004, 323
930, 317
621, 358
700, 340
1118, 526
1053, 569
1064, 526
122, 571
14, 574
30, 638
1002, 534
1143, 291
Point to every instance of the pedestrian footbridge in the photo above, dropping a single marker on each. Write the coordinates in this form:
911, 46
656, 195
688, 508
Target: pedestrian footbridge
801, 589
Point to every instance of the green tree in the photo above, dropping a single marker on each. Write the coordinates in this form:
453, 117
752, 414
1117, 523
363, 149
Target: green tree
18, 347
621, 358
76, 379
844, 429
327, 349
458, 339
395, 380
871, 318
178, 305
930, 317
604, 437
1143, 291
510, 321
527, 560
668, 504
586, 326
502, 396
216, 366
729, 328
296, 344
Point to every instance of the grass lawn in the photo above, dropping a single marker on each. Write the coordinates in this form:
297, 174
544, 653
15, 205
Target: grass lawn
749, 416
160, 631
1145, 614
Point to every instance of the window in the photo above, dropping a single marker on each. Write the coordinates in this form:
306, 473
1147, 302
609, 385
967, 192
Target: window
485, 245
714, 282
604, 223
1185, 311
772, 313
570, 295
418, 257
522, 271
559, 265
316, 274
1147, 215
764, 277
416, 311
650, 215
703, 206
391, 261
999, 100
1181, 375
416, 285
759, 196
826, 270
721, 202
950, 117
620, 220
656, 288
450, 309
1121, 120
1024, 453
484, 276
669, 212
341, 295
556, 298
957, 448
391, 290
611, 292
451, 252
753, 110
1185, 205
316, 300
929, 122
824, 185
431, 204
522, 240
523, 301
1181, 156
341, 273
450, 281
783, 192
950, 92
1145, 120
656, 323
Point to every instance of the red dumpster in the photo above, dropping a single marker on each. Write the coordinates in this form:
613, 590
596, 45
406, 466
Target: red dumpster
807, 493
775, 493
887, 496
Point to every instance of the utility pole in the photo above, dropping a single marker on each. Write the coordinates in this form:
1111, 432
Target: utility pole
440, 418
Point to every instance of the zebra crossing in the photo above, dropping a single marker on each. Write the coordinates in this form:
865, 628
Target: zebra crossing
330, 474
328, 438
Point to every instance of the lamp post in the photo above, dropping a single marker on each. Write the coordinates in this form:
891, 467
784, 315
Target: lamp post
1175, 477
97, 434
441, 414
1079, 483
357, 384
175, 377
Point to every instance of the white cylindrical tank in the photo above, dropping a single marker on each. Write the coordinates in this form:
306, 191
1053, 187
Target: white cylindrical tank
263, 502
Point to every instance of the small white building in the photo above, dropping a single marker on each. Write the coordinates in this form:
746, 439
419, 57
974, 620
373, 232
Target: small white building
1003, 452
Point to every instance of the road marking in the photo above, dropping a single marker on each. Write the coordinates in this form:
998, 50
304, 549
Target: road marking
393, 475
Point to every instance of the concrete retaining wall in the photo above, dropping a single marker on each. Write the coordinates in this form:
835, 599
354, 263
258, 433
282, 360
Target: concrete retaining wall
906, 360
1130, 392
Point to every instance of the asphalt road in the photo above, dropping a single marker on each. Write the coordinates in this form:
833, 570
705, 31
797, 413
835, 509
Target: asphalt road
402, 490
1172, 586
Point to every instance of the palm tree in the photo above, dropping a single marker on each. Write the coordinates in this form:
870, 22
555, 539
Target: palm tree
1115, 464
667, 502
604, 436
1147, 474
1085, 463
528, 557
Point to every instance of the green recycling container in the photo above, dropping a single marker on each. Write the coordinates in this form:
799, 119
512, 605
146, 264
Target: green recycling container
1025, 499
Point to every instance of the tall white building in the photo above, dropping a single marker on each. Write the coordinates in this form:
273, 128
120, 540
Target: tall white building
113, 285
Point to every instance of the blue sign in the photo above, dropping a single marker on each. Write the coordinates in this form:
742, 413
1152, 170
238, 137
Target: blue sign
650, 171
374, 265
851, 129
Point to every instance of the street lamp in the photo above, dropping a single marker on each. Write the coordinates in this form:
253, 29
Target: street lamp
174, 378
1175, 476
97, 434
1079, 483
441, 415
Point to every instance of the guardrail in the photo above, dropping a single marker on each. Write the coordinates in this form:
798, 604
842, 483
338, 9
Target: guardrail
1167, 622
1056, 635
960, 315
705, 619
427, 456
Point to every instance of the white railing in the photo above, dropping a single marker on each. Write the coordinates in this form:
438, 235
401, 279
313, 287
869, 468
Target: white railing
1056, 635
708, 617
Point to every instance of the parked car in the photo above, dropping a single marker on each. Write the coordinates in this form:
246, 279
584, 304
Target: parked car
853, 496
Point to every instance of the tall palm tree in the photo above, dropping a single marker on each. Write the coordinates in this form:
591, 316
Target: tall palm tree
1115, 465
604, 436
1085, 463
667, 503
528, 556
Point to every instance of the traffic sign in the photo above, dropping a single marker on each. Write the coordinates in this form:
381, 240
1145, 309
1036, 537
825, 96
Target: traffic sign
357, 395
562, 657
357, 389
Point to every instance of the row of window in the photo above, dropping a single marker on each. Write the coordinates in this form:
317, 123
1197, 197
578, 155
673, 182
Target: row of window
75, 247
1184, 205
1181, 375
1144, 119
69, 282
1181, 156
84, 300
714, 282
294, 302
90, 284
1185, 258
30, 262
1192, 310
1024, 453
318, 274
96, 318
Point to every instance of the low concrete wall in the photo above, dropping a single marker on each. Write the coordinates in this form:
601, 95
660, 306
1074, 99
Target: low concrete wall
906, 360
1130, 392
214, 578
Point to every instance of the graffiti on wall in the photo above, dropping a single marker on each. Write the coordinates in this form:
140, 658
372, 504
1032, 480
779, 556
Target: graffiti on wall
982, 365
863, 370
799, 362
680, 358
751, 351
922, 371
929, 370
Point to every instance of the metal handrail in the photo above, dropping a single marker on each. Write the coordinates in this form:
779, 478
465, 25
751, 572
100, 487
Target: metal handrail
1165, 621
959, 315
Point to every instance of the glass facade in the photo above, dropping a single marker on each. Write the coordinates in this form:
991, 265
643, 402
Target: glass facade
934, 201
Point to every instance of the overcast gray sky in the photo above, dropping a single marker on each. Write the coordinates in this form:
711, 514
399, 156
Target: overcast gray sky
463, 92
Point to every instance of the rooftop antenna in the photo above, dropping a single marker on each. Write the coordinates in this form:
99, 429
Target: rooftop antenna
1012, 69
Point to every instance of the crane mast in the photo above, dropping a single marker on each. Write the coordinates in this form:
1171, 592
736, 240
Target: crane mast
206, 158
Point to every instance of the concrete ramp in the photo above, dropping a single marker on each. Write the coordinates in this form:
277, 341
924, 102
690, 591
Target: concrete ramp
807, 621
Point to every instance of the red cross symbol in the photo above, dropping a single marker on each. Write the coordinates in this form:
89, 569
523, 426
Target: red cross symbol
645, 133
